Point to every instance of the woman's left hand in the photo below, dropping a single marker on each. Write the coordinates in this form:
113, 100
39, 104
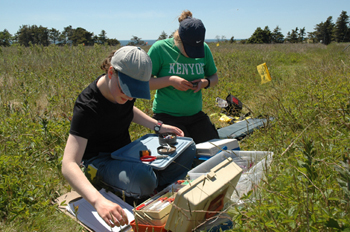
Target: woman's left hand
171, 129
198, 84
202, 83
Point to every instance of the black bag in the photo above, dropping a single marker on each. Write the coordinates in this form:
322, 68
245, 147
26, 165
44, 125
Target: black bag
234, 107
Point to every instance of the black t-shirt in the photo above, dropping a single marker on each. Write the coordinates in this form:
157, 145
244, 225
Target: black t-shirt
104, 124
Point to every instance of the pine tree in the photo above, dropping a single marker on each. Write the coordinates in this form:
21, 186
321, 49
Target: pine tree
277, 36
341, 31
5, 38
324, 31
162, 36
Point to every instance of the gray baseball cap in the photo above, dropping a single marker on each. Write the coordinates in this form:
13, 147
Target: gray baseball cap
134, 68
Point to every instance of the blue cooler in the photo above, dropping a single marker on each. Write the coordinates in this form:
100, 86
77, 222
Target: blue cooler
150, 142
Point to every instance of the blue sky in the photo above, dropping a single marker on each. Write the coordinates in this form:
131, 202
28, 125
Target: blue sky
147, 19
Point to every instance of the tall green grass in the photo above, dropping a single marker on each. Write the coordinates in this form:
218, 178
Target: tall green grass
306, 189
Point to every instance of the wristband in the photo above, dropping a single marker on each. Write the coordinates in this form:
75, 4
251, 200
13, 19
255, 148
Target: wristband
208, 83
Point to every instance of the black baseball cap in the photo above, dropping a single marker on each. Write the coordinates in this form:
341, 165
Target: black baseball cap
192, 34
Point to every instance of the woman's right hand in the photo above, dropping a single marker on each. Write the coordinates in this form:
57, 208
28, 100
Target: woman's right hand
180, 84
111, 213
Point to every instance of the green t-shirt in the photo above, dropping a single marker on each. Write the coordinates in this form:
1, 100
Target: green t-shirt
167, 60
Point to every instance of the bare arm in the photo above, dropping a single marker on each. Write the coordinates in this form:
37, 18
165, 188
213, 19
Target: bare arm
214, 79
146, 121
72, 157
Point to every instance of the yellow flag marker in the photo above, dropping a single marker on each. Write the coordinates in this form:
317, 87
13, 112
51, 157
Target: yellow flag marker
264, 73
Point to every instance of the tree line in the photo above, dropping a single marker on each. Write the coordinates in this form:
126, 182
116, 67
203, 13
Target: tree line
28, 35
324, 32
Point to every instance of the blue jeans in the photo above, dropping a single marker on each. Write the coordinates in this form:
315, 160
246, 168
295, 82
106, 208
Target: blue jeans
137, 179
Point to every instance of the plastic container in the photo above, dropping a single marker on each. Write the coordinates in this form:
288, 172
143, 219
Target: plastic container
143, 228
167, 138
259, 162
220, 222
244, 159
166, 150
256, 161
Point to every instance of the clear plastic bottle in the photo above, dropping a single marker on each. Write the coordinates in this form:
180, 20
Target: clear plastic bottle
221, 102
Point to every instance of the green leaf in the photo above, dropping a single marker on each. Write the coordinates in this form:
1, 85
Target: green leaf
333, 199
332, 223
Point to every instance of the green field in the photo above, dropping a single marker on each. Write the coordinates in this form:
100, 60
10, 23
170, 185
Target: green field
306, 189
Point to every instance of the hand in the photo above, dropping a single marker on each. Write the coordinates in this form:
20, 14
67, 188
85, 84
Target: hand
198, 84
180, 83
111, 212
171, 129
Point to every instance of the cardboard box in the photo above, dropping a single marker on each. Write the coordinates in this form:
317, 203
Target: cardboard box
64, 200
86, 214
204, 197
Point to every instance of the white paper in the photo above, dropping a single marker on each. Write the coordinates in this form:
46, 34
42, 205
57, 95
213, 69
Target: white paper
88, 215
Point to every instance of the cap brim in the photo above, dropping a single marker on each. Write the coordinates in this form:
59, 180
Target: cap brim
134, 88
194, 51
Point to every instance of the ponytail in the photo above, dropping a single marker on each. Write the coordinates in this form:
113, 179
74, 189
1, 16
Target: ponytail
184, 15
107, 62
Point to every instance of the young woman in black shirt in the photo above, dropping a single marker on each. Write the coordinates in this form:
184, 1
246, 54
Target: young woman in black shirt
102, 115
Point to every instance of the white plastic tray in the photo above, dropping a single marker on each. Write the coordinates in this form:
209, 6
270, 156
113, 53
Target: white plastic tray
212, 147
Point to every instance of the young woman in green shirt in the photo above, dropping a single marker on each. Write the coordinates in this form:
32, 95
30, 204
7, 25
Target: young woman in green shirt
181, 67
